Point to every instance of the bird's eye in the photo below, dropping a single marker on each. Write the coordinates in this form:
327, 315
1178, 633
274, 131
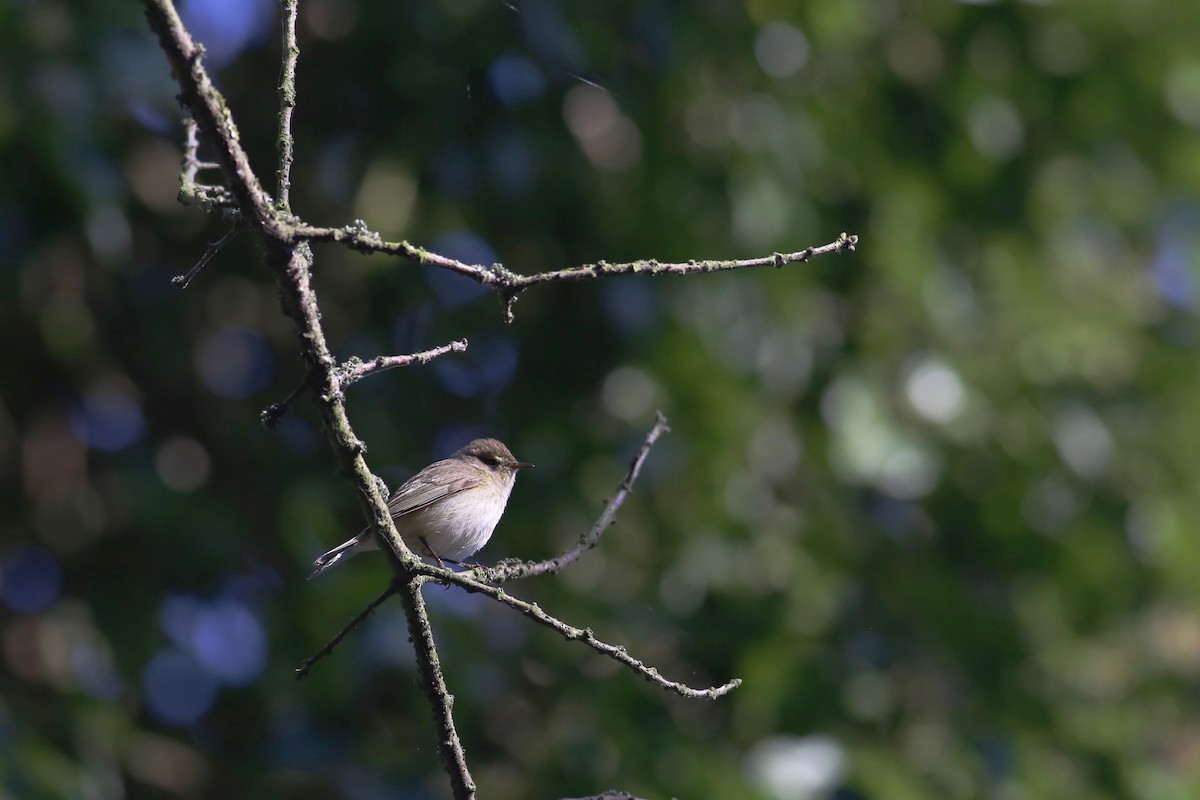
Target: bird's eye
491, 461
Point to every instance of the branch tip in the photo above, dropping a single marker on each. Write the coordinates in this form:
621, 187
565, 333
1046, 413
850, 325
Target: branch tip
354, 369
182, 281
308, 663
509, 570
271, 415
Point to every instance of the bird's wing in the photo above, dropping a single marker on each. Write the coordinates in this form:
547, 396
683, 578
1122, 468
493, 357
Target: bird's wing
418, 494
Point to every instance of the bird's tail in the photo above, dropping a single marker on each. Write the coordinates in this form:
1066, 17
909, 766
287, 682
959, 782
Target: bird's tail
361, 543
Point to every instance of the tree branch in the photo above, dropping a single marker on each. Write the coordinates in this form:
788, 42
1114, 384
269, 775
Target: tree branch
190, 192
510, 284
515, 569
432, 681
271, 415
212, 115
308, 663
616, 652
287, 103
354, 370
184, 280
286, 242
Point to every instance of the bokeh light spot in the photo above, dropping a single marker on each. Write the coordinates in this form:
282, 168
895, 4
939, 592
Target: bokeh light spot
797, 768
607, 137
629, 393
108, 418
781, 50
515, 80
908, 473
995, 128
30, 579
235, 362
489, 364
182, 464
934, 390
1083, 441
176, 690
229, 643
1182, 90
226, 27
915, 54
386, 197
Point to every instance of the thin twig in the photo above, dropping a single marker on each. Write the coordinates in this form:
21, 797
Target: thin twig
287, 103
307, 665
616, 652
515, 570
354, 370
205, 195
182, 281
434, 683
271, 415
358, 237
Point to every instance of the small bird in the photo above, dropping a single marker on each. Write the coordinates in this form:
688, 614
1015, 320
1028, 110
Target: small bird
448, 510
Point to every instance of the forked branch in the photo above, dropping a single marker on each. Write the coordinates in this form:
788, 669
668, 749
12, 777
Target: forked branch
515, 569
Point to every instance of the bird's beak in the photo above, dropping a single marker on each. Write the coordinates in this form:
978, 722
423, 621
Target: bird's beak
522, 465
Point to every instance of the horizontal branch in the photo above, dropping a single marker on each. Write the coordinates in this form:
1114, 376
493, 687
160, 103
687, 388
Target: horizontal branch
354, 370
358, 237
514, 569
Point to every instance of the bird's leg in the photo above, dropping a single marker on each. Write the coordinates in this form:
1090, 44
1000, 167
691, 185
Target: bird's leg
429, 550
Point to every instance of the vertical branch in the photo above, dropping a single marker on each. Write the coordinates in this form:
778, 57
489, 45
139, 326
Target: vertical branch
287, 102
434, 684
292, 265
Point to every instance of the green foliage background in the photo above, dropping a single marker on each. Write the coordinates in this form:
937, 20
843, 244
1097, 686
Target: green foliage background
930, 500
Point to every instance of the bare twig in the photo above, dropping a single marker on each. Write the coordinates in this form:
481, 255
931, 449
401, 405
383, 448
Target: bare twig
354, 370
182, 281
287, 103
611, 794
307, 665
434, 683
515, 570
510, 284
616, 652
205, 195
271, 415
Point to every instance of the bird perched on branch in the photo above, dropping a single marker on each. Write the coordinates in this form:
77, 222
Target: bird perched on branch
448, 510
